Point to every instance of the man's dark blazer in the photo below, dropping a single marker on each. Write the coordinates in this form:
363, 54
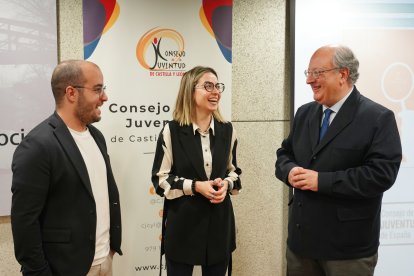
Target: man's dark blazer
197, 231
357, 160
53, 211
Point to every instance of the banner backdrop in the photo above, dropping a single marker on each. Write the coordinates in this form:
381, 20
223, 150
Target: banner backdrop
143, 48
28, 54
381, 34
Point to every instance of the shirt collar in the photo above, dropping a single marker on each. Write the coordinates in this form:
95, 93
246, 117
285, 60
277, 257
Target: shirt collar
335, 108
197, 128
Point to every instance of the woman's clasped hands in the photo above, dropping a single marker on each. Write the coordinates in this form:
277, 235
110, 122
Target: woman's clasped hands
214, 190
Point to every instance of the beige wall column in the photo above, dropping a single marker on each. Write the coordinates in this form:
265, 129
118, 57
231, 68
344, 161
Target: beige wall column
70, 29
260, 112
8, 264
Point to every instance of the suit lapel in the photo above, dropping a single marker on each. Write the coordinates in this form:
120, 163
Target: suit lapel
220, 142
69, 146
314, 125
102, 148
103, 151
344, 117
192, 150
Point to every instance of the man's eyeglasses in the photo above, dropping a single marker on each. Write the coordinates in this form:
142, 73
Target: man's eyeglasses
316, 73
99, 90
209, 86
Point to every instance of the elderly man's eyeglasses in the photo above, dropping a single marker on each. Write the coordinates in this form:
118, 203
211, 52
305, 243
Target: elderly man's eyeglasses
316, 73
98, 90
209, 86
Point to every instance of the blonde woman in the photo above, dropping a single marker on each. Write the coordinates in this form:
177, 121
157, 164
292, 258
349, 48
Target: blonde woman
195, 169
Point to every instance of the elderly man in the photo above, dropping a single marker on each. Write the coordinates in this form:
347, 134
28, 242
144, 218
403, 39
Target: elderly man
342, 154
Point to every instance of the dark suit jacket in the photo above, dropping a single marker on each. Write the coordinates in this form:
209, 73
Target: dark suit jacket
198, 232
357, 160
53, 210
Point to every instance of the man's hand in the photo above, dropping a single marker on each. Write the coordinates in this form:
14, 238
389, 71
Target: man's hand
303, 179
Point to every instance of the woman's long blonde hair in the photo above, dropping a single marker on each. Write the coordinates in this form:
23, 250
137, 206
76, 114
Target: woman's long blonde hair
184, 111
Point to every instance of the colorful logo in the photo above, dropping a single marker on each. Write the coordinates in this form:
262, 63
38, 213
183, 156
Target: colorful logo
216, 17
161, 49
98, 17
